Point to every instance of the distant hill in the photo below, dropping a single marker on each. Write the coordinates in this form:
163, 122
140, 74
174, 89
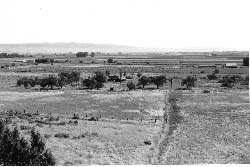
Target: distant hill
70, 47
77, 47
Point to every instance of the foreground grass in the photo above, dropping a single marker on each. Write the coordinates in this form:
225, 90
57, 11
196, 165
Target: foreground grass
215, 128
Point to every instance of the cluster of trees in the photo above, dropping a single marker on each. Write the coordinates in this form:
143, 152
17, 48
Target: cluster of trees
15, 150
26, 82
85, 54
228, 81
95, 82
62, 79
157, 80
44, 60
11, 55
69, 77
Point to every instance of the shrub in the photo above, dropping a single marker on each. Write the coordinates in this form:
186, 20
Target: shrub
93, 118
17, 151
212, 76
62, 135
131, 86
226, 83
110, 60
76, 116
147, 142
206, 91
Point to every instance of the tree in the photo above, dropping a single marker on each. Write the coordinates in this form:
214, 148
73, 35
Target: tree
96, 81
159, 80
131, 86
189, 81
110, 60
15, 150
51, 81
75, 76
226, 82
143, 81
81, 54
246, 61
100, 79
26, 82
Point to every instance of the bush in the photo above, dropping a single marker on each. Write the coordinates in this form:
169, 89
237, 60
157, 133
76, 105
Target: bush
212, 76
76, 116
227, 81
147, 142
17, 151
131, 86
110, 60
62, 135
93, 118
206, 91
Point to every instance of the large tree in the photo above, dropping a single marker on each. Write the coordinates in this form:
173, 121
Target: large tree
143, 81
159, 80
189, 81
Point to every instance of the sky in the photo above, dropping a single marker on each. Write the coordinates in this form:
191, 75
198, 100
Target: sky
215, 24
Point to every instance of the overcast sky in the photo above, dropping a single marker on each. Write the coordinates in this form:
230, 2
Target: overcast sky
146, 23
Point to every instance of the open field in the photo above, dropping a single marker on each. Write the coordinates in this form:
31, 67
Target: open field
214, 129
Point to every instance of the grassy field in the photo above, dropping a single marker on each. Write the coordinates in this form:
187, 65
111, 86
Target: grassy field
214, 129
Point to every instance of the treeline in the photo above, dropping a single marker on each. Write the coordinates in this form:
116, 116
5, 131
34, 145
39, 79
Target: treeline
10, 55
44, 60
15, 150
51, 81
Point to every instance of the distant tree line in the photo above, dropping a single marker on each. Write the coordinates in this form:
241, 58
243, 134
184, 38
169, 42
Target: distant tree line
51, 81
10, 55
44, 60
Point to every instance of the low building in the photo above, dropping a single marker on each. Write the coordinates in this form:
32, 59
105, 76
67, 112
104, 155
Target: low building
25, 61
230, 65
